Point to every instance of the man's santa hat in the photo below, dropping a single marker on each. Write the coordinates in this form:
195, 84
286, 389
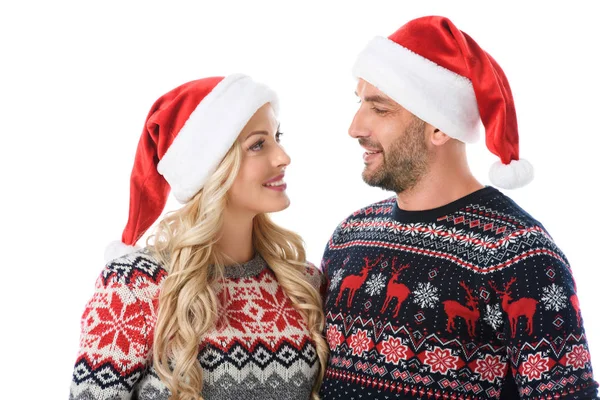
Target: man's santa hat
187, 133
441, 75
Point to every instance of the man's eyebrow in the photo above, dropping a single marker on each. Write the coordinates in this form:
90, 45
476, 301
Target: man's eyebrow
377, 99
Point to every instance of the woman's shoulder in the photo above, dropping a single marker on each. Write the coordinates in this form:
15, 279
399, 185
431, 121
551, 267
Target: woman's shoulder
139, 271
313, 275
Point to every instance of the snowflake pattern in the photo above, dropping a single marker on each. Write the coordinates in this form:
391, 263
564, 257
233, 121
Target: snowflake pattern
334, 337
485, 245
360, 342
554, 297
441, 360
376, 284
535, 366
413, 229
336, 279
393, 350
490, 368
493, 316
431, 231
275, 308
578, 357
452, 235
471, 238
426, 295
117, 324
509, 240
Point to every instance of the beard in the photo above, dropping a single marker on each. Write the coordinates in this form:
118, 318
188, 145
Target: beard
404, 163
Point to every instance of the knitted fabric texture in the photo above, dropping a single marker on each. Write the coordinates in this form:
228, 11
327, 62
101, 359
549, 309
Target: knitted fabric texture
459, 302
261, 348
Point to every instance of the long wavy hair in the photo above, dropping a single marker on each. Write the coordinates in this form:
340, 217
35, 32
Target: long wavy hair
185, 243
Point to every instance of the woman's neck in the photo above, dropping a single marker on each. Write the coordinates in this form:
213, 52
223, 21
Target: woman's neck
236, 237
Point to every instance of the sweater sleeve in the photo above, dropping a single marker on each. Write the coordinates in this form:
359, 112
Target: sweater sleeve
316, 278
115, 342
543, 329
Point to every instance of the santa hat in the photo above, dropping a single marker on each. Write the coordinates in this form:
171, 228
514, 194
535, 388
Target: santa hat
187, 133
441, 75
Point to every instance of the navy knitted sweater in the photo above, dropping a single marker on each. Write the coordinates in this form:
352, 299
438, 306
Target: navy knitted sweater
472, 300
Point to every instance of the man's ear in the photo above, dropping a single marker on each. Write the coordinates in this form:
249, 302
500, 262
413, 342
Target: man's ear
437, 137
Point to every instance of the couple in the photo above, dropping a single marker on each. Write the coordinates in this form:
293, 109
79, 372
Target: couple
448, 290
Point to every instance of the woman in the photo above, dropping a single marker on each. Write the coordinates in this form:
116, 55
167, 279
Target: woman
222, 304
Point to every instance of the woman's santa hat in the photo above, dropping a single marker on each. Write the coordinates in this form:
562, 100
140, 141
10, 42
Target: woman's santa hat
187, 133
441, 75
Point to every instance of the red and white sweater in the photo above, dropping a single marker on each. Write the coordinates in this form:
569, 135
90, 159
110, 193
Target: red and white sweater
261, 348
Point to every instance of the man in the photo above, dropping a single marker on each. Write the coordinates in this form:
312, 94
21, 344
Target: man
448, 290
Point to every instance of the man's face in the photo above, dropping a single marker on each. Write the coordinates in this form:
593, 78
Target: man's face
396, 156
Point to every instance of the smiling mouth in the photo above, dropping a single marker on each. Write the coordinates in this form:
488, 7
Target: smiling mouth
275, 184
370, 154
278, 186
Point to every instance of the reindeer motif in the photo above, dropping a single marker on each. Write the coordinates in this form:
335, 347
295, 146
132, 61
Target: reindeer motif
575, 303
396, 290
353, 282
523, 307
469, 313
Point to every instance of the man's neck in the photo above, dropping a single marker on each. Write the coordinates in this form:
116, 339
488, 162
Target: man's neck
437, 190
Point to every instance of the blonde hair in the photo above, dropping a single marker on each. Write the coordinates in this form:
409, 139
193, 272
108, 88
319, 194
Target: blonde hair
188, 304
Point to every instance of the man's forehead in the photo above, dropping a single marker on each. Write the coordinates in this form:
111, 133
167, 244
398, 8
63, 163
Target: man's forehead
368, 92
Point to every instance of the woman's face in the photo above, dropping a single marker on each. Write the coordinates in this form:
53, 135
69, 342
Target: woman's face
259, 186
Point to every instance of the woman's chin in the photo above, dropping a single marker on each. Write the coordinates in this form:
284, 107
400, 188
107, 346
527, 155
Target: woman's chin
276, 206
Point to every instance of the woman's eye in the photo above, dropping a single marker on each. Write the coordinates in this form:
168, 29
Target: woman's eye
278, 136
257, 146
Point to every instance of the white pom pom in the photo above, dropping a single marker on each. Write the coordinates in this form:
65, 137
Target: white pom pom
117, 249
512, 176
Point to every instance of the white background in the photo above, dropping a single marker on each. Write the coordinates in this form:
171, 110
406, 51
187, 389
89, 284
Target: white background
78, 78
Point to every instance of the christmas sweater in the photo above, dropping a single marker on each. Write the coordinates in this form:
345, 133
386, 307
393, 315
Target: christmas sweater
260, 348
459, 302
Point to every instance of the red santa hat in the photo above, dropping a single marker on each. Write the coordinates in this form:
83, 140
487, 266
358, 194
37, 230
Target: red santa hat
187, 133
441, 75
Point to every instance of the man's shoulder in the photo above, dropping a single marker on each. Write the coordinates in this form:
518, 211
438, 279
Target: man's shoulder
511, 211
381, 208
520, 231
365, 216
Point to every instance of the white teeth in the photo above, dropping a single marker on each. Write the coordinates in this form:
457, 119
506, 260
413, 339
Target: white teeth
278, 183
